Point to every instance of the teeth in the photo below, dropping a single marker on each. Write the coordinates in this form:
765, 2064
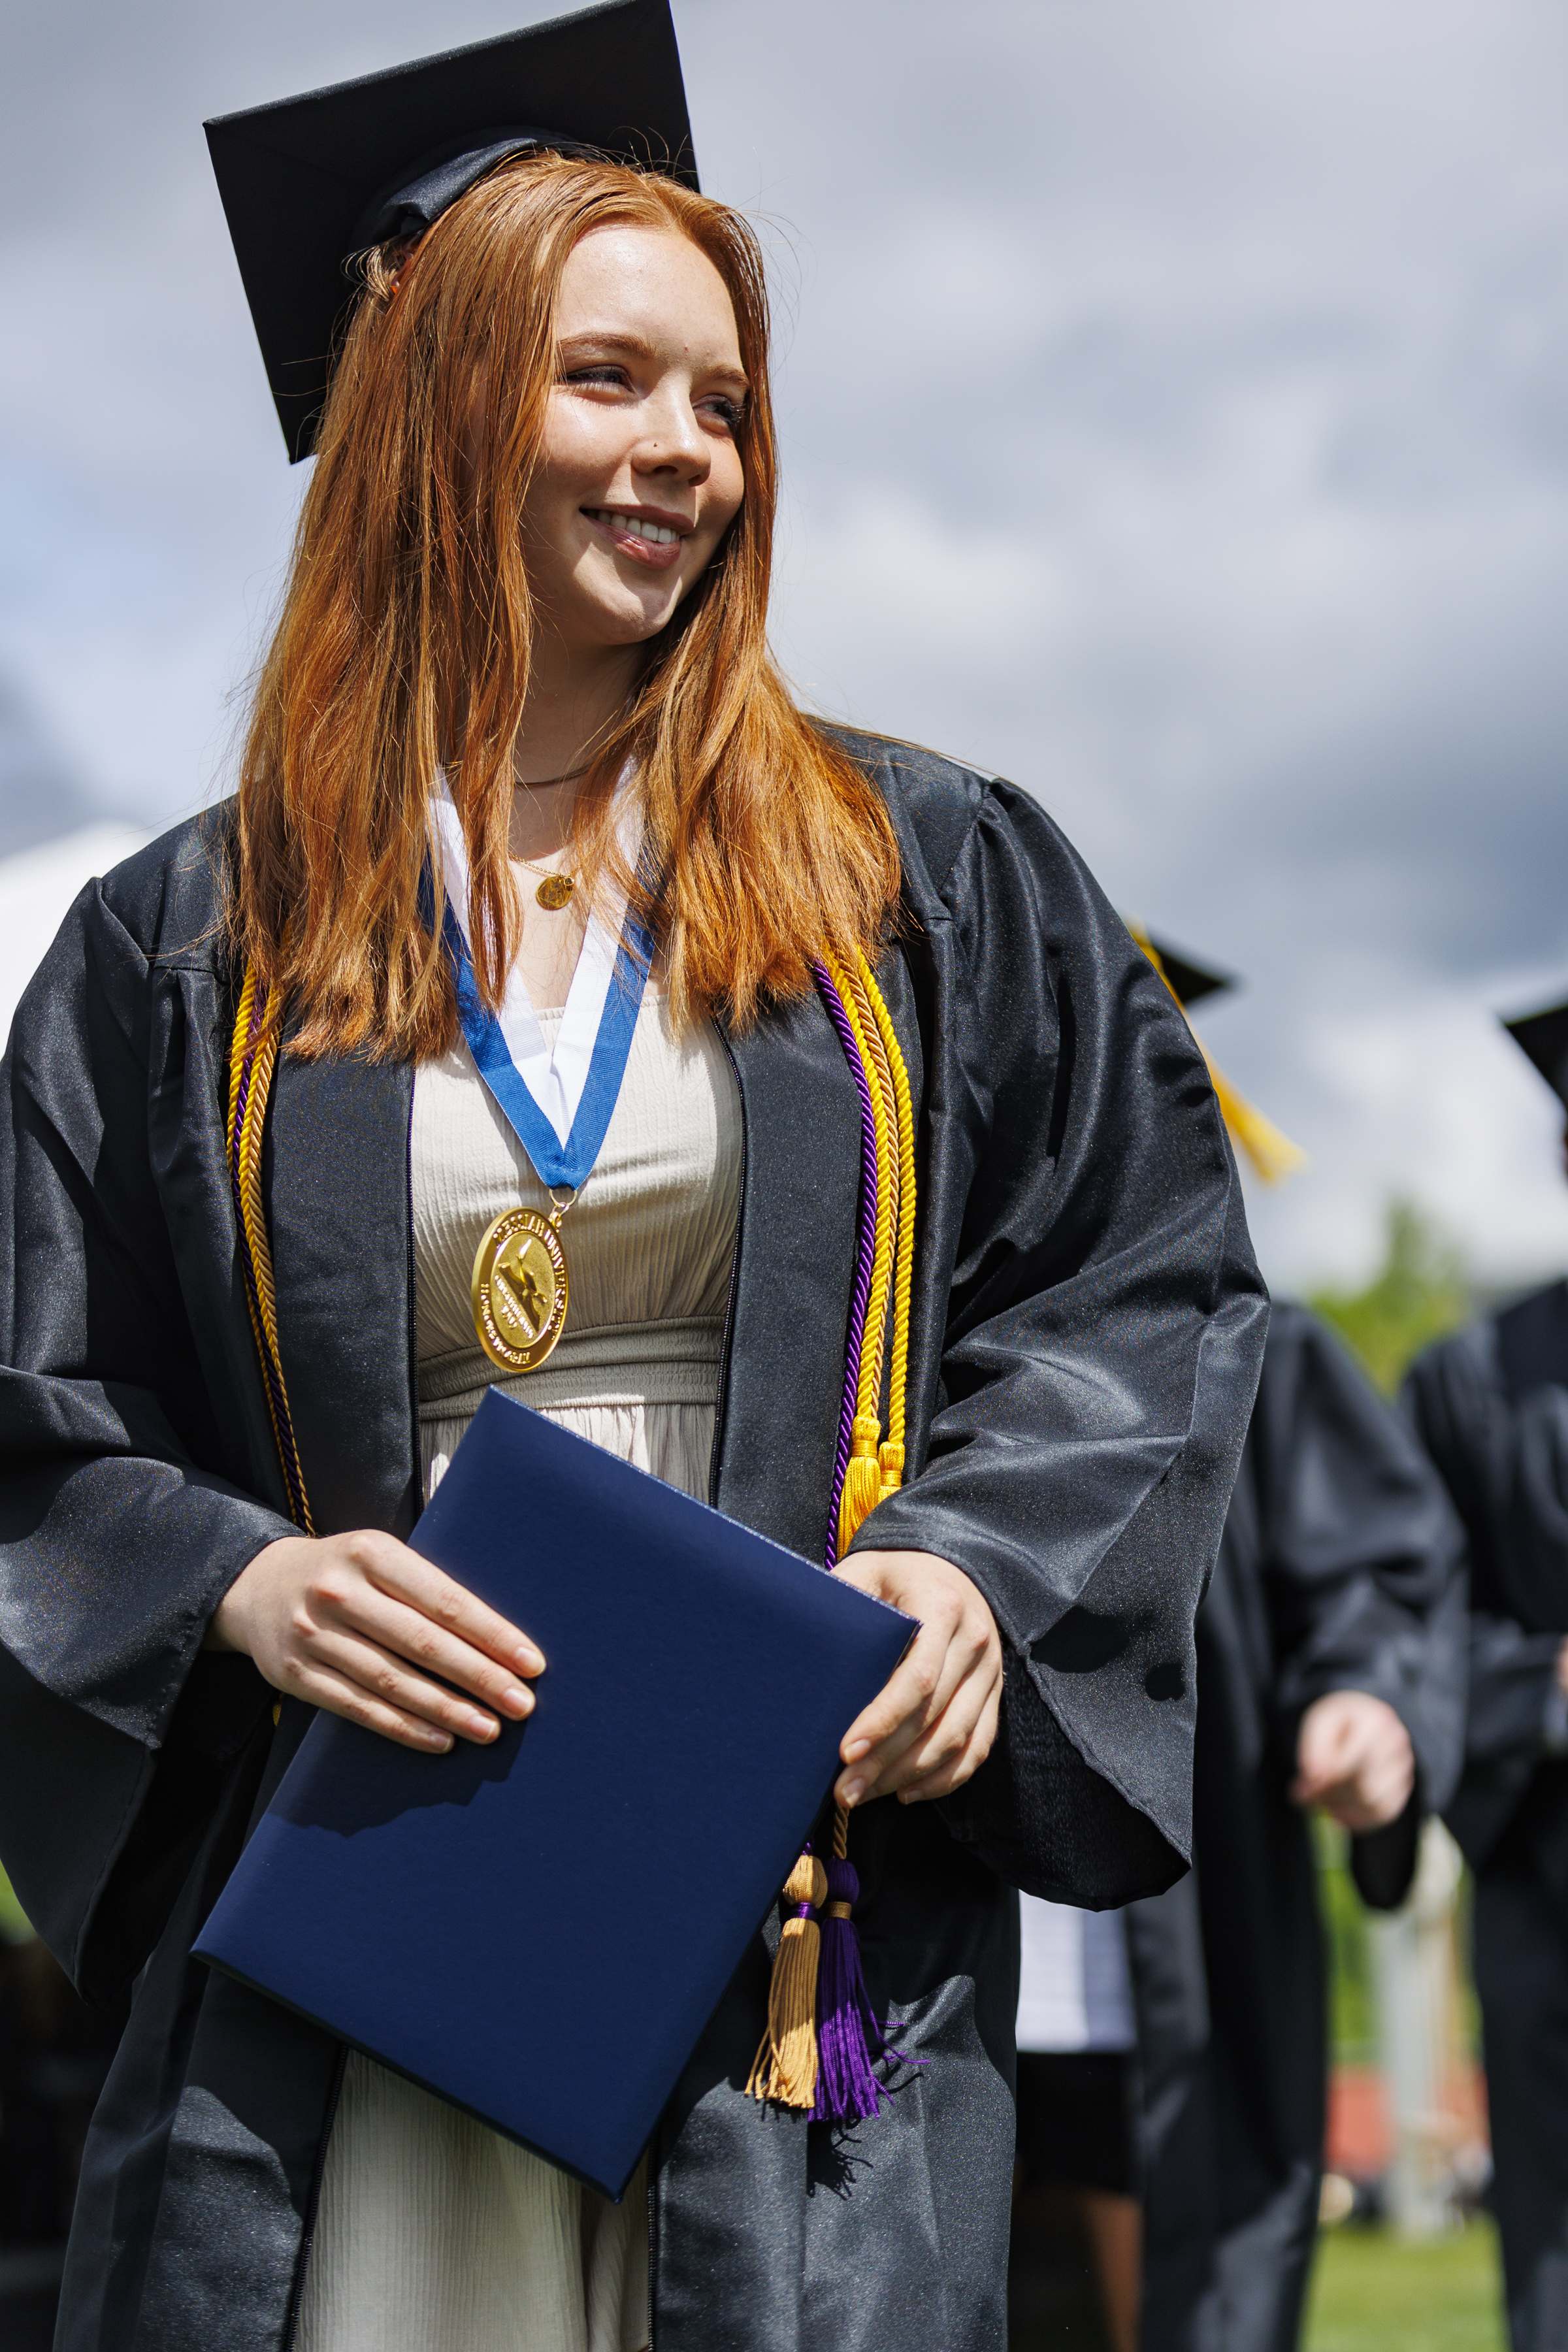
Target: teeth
656, 531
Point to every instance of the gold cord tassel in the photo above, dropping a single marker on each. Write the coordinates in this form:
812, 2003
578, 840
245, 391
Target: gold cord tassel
785, 2064
862, 1480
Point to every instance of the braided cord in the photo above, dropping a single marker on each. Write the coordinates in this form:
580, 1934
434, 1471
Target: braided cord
869, 1373
904, 1251
865, 1252
253, 1059
888, 1186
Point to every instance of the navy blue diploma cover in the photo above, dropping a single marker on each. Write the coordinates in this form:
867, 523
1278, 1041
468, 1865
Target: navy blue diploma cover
540, 1929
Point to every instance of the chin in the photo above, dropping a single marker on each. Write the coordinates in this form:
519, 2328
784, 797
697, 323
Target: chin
627, 619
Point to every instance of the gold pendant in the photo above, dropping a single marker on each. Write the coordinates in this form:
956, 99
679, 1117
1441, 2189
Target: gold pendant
519, 1289
556, 891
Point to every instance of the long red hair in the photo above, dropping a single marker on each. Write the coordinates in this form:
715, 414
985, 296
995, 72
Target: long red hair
404, 639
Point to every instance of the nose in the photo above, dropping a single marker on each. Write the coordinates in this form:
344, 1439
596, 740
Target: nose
673, 442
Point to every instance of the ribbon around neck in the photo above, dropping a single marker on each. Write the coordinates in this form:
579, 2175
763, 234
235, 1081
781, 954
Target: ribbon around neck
559, 1103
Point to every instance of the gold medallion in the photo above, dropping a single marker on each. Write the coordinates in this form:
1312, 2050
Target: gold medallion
556, 891
519, 1289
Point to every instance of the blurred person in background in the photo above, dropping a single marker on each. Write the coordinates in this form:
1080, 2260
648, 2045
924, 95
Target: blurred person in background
1490, 1405
1330, 1662
1079, 2157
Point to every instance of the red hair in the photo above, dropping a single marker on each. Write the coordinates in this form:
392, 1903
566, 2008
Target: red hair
404, 640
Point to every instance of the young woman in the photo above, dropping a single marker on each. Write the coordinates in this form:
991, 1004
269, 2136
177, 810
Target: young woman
521, 664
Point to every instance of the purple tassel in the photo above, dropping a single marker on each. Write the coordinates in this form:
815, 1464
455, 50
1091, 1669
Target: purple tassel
849, 2038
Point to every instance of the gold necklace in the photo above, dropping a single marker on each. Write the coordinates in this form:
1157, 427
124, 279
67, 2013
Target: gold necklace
555, 890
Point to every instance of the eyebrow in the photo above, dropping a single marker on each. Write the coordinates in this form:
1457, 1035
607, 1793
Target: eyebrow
635, 347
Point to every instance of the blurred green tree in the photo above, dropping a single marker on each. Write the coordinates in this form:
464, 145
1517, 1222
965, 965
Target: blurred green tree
1419, 1294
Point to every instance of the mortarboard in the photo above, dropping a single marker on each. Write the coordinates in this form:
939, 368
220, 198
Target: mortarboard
1188, 981
1544, 1037
1272, 1154
308, 182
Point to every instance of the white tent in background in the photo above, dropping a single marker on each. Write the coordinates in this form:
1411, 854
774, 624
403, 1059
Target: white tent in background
37, 889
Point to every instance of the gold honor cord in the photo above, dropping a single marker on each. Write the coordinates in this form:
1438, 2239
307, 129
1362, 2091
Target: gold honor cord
891, 1459
1272, 1153
253, 1060
862, 1482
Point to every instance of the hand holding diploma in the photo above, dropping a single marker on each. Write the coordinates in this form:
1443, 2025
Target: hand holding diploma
934, 1724
361, 1626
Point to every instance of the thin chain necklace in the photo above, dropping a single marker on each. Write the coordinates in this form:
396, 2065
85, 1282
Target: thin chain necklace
554, 891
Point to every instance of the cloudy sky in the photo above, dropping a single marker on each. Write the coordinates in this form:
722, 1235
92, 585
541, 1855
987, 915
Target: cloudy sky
1175, 404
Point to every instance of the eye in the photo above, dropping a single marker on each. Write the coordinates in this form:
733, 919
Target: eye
603, 374
730, 412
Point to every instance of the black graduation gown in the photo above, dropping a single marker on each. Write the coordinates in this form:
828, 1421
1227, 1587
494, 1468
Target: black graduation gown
1086, 1330
1340, 1570
1492, 1406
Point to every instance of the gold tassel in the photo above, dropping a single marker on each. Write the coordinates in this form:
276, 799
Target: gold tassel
785, 2064
862, 1481
1273, 1155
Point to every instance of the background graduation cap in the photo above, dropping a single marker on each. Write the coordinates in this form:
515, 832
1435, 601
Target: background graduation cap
1187, 981
1272, 1154
1544, 1037
307, 182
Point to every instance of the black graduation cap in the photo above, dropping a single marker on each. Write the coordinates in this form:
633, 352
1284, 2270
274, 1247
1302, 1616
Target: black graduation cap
307, 182
1544, 1037
1189, 982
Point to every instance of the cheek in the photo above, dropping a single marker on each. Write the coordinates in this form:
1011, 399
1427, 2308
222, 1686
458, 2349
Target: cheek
726, 489
581, 451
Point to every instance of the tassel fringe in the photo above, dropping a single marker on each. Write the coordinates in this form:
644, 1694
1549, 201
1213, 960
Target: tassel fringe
849, 2039
785, 2067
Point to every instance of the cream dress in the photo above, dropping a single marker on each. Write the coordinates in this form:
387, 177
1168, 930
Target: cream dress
434, 2235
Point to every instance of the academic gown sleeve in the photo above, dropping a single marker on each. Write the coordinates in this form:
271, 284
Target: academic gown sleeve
1096, 1369
120, 1530
1364, 1557
1506, 1468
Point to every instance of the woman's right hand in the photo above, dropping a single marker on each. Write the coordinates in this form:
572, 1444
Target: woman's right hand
359, 1624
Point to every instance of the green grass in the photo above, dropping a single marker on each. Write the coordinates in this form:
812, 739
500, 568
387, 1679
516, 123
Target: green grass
1373, 2293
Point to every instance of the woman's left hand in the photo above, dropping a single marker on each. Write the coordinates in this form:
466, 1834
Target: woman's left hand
934, 1724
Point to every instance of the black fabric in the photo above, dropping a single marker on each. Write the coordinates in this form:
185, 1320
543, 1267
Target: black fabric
1076, 2123
1492, 1406
1340, 1570
1087, 1328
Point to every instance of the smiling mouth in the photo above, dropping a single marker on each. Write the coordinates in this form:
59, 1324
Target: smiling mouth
657, 533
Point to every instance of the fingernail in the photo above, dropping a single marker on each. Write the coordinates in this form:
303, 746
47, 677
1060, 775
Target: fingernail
852, 1792
856, 1749
527, 1661
437, 1741
481, 1727
516, 1701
